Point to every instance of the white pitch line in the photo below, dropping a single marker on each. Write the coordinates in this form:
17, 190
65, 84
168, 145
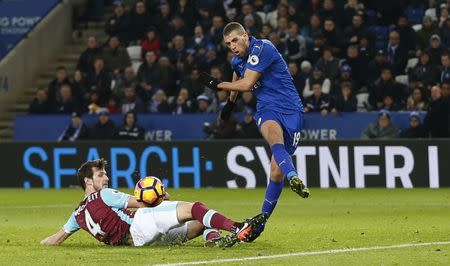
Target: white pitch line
299, 254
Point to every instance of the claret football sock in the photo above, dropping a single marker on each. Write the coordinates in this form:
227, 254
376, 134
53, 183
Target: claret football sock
210, 233
211, 218
284, 160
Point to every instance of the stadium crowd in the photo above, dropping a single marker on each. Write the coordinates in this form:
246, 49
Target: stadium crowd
344, 56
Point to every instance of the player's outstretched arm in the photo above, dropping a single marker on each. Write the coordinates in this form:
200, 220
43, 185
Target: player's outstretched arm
244, 84
56, 239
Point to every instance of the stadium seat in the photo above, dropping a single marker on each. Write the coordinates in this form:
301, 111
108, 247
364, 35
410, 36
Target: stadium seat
431, 12
417, 27
362, 100
135, 65
412, 62
403, 79
134, 52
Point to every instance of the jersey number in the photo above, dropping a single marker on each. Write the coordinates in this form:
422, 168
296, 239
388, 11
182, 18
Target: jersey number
296, 139
93, 227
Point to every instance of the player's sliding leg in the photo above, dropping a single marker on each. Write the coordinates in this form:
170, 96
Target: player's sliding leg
212, 219
273, 134
213, 238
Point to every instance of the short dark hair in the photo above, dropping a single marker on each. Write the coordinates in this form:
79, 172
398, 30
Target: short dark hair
233, 26
85, 170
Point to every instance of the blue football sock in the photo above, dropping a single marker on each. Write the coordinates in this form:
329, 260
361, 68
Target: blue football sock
273, 192
283, 160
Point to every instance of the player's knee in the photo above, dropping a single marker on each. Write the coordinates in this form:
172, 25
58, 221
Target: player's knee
276, 176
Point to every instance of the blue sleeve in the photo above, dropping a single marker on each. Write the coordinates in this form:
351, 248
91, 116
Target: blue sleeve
234, 65
261, 57
71, 226
114, 198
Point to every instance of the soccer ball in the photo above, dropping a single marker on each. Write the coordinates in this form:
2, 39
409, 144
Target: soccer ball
150, 191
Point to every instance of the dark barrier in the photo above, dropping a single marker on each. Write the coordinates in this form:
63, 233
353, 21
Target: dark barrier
343, 164
165, 127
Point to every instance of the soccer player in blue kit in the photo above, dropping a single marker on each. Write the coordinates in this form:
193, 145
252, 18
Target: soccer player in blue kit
260, 68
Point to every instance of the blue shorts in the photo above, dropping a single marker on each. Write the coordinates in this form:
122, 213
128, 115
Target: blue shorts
290, 123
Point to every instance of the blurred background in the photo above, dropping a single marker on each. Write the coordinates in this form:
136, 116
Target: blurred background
101, 70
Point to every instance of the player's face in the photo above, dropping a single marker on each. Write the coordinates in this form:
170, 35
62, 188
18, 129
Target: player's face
238, 43
99, 179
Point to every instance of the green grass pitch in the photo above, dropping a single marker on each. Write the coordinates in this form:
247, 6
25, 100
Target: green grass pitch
330, 220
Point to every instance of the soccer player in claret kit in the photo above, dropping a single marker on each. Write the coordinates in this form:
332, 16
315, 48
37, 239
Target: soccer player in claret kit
103, 213
260, 68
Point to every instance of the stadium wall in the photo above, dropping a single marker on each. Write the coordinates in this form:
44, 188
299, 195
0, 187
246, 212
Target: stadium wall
22, 64
232, 164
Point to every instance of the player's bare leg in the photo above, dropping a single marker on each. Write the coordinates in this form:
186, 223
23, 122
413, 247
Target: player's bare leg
273, 134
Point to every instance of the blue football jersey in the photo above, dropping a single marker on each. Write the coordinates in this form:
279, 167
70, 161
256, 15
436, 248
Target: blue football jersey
275, 89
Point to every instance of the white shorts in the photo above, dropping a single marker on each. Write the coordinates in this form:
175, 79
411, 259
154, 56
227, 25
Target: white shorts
158, 225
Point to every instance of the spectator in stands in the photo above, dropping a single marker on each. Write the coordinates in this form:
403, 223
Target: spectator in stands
128, 79
389, 104
87, 57
384, 86
329, 11
445, 89
383, 129
346, 76
424, 34
119, 23
215, 32
273, 16
333, 36
177, 27
130, 130
248, 11
151, 43
311, 30
203, 104
415, 129
436, 122
328, 64
316, 77
444, 14
318, 102
276, 40
193, 84
445, 69
113, 105
298, 82
76, 130
304, 74
161, 21
158, 103
351, 9
435, 50
397, 55
177, 54
146, 75
95, 104
424, 71
247, 100
357, 66
407, 34
54, 88
40, 104
104, 129
66, 103
131, 102
99, 79
316, 50
248, 129
295, 44
222, 129
116, 57
139, 22
200, 40
416, 101
182, 105
445, 33
165, 73
357, 29
79, 86
186, 10
376, 65
345, 101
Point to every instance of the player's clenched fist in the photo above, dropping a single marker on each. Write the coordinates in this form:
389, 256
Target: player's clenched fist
227, 110
209, 81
